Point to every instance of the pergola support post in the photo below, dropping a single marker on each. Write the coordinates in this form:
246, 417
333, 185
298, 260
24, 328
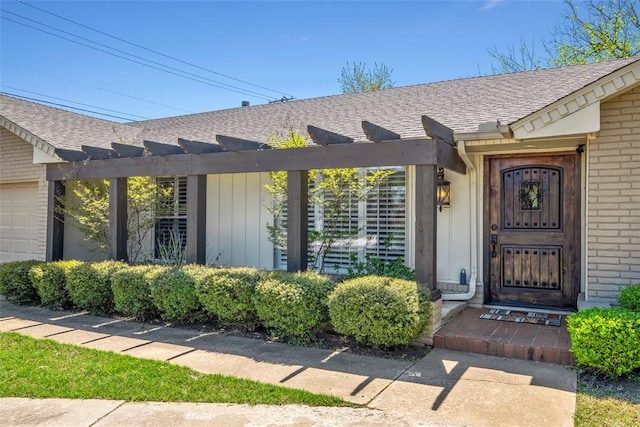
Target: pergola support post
118, 219
55, 221
297, 232
196, 218
426, 241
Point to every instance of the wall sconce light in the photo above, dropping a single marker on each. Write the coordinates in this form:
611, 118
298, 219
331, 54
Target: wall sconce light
444, 191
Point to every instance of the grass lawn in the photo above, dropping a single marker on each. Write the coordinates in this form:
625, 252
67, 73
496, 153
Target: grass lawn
41, 368
607, 403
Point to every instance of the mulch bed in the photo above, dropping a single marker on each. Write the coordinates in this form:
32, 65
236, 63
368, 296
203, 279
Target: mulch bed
547, 319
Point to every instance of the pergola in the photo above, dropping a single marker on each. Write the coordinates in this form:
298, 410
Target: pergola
197, 159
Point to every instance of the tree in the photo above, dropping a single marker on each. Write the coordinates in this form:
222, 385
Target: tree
334, 191
591, 31
356, 78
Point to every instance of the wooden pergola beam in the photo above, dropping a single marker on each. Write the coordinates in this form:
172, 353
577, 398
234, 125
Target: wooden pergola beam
118, 219
70, 155
393, 153
160, 149
126, 150
196, 218
230, 143
426, 241
98, 153
435, 129
297, 219
197, 147
324, 137
377, 133
55, 221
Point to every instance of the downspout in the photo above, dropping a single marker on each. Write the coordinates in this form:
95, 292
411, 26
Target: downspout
473, 196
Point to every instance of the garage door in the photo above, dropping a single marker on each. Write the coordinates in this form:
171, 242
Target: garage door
19, 222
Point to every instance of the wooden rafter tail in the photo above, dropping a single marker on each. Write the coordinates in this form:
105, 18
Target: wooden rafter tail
230, 143
197, 147
71, 155
377, 133
126, 150
160, 149
324, 137
437, 130
98, 153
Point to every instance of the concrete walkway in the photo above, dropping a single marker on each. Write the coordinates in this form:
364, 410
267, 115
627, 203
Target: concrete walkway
444, 388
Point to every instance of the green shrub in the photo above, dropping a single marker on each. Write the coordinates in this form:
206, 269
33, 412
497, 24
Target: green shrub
606, 339
15, 283
379, 311
132, 290
174, 293
50, 280
294, 305
373, 266
227, 293
629, 298
89, 285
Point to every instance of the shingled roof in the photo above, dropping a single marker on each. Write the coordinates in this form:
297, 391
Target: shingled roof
461, 104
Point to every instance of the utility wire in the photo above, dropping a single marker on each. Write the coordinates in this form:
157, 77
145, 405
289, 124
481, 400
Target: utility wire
63, 105
96, 87
216, 83
75, 102
199, 79
153, 51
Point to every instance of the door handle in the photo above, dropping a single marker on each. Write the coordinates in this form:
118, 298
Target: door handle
494, 243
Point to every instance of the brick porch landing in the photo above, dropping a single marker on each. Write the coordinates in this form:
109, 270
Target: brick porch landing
467, 332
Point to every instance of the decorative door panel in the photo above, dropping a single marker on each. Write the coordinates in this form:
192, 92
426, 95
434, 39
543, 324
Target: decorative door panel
532, 222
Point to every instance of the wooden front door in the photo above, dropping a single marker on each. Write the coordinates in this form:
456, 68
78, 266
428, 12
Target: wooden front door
532, 223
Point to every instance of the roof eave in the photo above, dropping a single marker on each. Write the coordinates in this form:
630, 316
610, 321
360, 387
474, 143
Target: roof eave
31, 138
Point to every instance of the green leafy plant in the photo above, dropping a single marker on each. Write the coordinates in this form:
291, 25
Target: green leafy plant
629, 298
227, 293
174, 293
89, 285
132, 290
373, 266
15, 283
379, 311
606, 340
293, 304
50, 280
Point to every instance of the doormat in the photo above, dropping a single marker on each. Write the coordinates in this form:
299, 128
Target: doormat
523, 317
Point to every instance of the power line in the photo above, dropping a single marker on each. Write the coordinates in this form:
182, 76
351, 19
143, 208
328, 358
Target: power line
75, 102
154, 51
63, 105
132, 60
216, 83
96, 87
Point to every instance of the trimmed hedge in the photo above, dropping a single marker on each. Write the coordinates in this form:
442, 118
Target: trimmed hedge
629, 298
228, 294
606, 339
293, 304
89, 285
50, 280
15, 283
132, 291
174, 293
379, 311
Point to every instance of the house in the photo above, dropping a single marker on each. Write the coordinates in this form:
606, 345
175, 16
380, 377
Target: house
542, 168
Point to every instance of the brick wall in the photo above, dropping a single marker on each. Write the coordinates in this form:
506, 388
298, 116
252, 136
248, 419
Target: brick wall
614, 199
16, 165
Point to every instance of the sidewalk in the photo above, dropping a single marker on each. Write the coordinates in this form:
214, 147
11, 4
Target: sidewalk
444, 388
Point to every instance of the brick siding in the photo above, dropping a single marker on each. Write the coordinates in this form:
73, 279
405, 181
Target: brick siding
16, 166
614, 199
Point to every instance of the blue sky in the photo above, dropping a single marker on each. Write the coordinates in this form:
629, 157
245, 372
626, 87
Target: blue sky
294, 47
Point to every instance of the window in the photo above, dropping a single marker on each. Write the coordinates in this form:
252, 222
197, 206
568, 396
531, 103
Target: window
374, 227
171, 217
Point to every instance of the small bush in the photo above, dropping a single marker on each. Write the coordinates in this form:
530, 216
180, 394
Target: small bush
15, 283
174, 293
629, 298
606, 339
89, 285
373, 266
50, 280
294, 305
379, 311
132, 290
228, 294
